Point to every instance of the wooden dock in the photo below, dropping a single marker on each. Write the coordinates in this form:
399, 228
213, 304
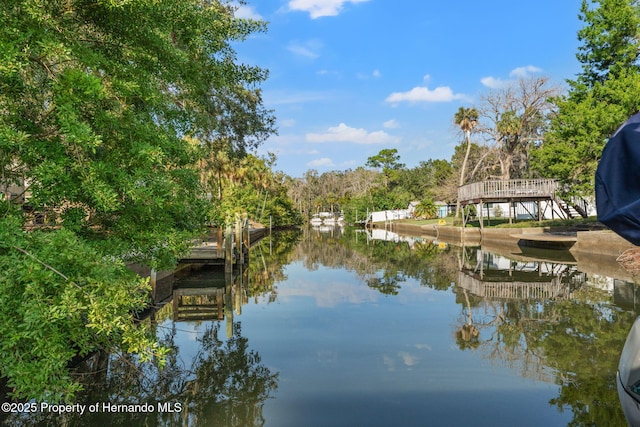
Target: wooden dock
229, 247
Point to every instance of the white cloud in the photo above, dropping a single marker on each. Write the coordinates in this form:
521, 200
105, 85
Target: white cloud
323, 162
330, 294
424, 94
524, 71
408, 359
320, 8
424, 347
375, 74
344, 133
287, 123
309, 49
391, 124
247, 12
494, 83
330, 73
516, 73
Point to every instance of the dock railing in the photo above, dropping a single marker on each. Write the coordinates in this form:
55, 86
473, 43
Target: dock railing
507, 189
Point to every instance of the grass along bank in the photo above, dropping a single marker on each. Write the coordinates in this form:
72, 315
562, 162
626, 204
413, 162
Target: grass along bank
578, 224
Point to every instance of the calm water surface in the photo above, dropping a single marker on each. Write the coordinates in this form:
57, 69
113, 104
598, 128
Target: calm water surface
341, 328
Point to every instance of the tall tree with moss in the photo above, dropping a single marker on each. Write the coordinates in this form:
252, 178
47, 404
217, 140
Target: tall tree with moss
97, 101
514, 119
600, 99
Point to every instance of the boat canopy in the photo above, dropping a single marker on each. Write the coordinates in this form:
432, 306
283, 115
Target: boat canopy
618, 182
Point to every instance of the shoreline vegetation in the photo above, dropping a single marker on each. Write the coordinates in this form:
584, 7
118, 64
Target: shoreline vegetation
583, 224
130, 127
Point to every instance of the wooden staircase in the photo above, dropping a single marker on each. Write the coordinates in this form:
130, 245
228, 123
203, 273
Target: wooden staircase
574, 209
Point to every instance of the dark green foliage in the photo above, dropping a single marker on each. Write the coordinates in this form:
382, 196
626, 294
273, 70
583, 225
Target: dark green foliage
609, 39
101, 102
426, 209
61, 298
602, 97
388, 161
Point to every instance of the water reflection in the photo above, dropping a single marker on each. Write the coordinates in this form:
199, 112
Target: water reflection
492, 276
342, 327
211, 372
549, 321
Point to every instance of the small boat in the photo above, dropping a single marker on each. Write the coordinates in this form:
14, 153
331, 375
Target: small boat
329, 221
628, 376
316, 220
556, 241
618, 205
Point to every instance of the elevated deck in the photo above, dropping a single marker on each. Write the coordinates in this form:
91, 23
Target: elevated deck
542, 192
499, 191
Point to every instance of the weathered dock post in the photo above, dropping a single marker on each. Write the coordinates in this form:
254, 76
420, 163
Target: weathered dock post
228, 251
238, 240
219, 238
228, 305
245, 237
238, 285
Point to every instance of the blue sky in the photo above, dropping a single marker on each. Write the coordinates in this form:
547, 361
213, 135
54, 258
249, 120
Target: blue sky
351, 77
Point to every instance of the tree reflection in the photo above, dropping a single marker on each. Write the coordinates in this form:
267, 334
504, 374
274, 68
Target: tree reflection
382, 265
573, 340
555, 328
584, 347
224, 383
388, 283
551, 326
468, 336
267, 261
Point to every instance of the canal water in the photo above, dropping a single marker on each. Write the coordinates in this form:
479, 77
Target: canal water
333, 327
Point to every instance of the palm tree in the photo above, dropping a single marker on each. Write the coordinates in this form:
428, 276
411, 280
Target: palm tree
467, 119
426, 209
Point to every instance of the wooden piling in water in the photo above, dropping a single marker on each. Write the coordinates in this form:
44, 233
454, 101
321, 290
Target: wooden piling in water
246, 244
228, 250
231, 245
238, 241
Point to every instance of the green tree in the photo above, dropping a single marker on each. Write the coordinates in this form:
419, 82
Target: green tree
97, 102
426, 209
577, 135
428, 178
609, 40
250, 186
356, 209
388, 160
601, 98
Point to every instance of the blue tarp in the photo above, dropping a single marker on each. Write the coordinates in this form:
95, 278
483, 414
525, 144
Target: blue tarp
618, 182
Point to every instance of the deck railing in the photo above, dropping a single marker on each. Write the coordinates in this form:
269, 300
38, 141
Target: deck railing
515, 290
507, 189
